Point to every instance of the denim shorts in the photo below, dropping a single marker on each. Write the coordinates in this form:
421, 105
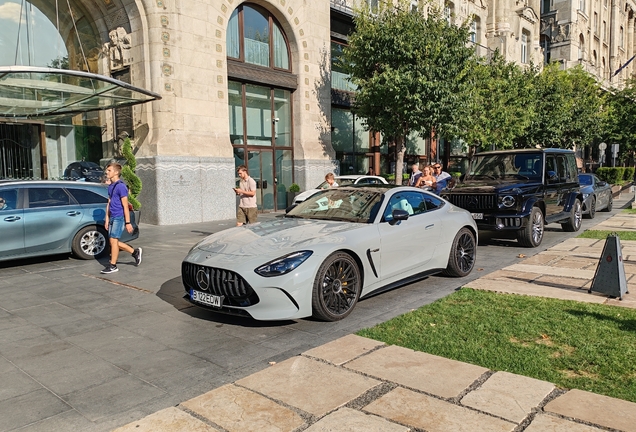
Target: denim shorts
116, 227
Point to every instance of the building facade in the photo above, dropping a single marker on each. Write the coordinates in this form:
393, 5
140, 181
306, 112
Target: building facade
254, 83
597, 34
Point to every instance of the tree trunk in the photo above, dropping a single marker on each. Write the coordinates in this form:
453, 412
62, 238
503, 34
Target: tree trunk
400, 149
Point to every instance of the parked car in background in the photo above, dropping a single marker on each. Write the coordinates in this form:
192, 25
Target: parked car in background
84, 170
519, 191
597, 195
345, 180
321, 259
54, 217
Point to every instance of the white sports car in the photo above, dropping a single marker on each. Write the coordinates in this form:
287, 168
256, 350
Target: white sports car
329, 251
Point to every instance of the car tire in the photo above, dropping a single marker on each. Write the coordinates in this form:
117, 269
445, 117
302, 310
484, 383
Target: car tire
337, 287
592, 211
462, 255
532, 234
90, 242
610, 204
573, 223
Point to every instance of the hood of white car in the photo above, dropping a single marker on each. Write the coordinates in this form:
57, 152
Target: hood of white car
277, 235
304, 195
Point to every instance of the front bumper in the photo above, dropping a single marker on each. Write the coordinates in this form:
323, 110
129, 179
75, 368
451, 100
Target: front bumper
248, 294
502, 222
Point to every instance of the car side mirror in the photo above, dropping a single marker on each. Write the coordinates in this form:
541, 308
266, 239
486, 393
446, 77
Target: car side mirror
602, 183
552, 177
399, 215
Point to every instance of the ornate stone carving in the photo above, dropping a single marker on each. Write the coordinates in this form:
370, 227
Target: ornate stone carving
563, 33
117, 50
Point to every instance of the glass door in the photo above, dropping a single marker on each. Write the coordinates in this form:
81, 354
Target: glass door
260, 165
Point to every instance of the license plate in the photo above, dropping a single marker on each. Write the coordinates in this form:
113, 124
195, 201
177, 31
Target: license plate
477, 216
206, 299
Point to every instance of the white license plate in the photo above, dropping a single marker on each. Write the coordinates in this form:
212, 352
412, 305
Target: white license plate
206, 299
477, 216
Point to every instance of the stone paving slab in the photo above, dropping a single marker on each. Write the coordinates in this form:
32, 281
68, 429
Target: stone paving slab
168, 420
508, 395
433, 415
426, 372
344, 349
552, 271
290, 381
522, 288
548, 423
237, 409
509, 274
597, 409
349, 420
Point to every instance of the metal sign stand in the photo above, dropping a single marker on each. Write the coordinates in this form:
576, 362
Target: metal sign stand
609, 277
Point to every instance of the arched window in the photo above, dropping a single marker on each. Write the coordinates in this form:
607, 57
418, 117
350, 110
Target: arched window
254, 36
581, 46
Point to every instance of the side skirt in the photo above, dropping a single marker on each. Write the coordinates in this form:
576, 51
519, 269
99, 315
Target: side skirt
403, 282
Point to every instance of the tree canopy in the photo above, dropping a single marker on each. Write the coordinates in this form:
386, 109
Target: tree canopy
410, 70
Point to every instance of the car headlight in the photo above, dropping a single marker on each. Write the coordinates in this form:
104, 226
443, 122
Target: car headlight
586, 195
507, 201
283, 265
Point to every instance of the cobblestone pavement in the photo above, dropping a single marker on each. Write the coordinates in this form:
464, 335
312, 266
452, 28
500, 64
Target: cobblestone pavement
358, 384
80, 351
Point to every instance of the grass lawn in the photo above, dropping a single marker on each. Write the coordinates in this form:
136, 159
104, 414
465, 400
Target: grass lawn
571, 344
630, 211
602, 235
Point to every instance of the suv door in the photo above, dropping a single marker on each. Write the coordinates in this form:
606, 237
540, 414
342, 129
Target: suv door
551, 183
51, 218
11, 223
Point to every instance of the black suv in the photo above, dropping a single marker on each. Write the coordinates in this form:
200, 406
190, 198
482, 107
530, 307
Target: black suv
521, 190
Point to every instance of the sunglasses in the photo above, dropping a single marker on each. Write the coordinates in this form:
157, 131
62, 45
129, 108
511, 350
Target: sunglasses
437, 167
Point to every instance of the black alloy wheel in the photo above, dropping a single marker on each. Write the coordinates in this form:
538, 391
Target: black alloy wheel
337, 287
462, 255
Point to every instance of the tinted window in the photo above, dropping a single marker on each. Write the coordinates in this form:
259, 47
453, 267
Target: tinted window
48, 197
432, 202
585, 179
8, 199
83, 196
413, 203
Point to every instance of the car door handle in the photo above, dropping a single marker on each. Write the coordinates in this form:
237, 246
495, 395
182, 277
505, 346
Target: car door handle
73, 213
12, 218
429, 226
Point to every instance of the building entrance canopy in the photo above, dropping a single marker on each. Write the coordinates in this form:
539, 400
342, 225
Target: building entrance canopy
38, 92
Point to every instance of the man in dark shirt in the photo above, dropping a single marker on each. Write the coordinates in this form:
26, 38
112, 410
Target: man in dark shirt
118, 218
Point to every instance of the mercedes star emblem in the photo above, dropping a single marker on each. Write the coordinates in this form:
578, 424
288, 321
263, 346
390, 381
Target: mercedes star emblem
473, 201
203, 280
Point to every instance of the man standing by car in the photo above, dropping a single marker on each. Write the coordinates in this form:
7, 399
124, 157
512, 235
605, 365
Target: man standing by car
118, 218
247, 209
442, 177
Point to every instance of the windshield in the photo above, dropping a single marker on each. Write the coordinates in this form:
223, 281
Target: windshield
340, 181
527, 166
585, 180
357, 205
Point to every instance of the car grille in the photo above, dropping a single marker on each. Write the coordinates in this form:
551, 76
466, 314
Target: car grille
235, 290
473, 202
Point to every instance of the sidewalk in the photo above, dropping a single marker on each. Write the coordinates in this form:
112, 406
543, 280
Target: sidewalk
358, 384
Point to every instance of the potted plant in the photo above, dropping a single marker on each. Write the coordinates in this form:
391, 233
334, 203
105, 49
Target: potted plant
294, 189
130, 178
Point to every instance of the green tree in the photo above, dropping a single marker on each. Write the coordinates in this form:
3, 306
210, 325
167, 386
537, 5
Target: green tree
128, 173
500, 107
621, 119
569, 109
410, 71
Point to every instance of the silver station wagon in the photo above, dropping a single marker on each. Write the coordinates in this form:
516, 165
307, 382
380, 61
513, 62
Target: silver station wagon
54, 217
